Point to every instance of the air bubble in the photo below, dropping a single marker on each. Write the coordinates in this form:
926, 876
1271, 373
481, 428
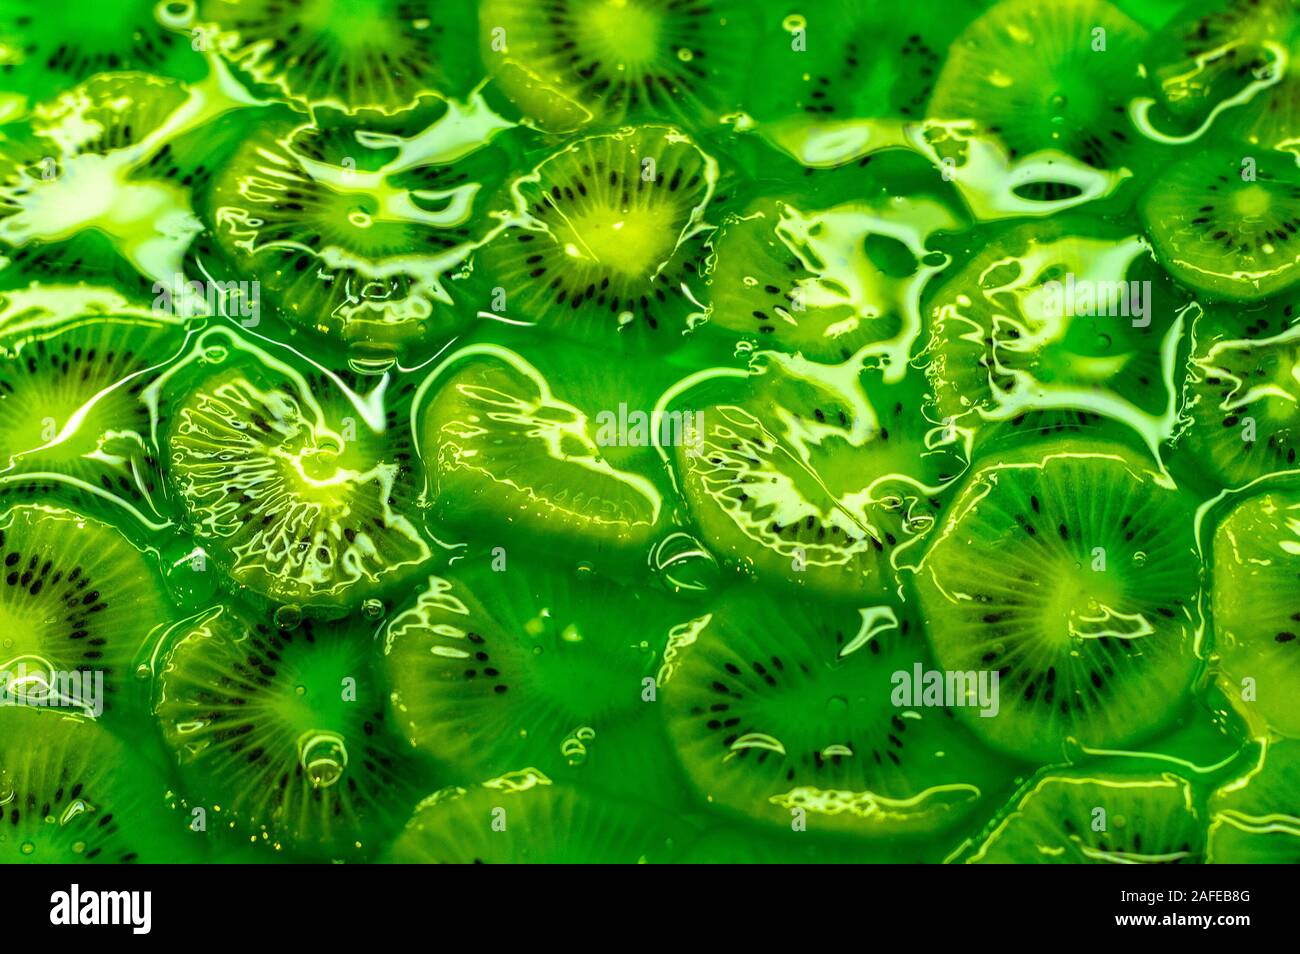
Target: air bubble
683, 564
323, 757
288, 616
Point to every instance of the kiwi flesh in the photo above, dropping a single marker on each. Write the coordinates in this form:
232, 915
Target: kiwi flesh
1227, 225
1256, 627
780, 712
75, 596
74, 794
300, 488
1240, 421
1046, 77
43, 58
353, 238
822, 281
813, 483
70, 403
1092, 622
1097, 817
607, 237
281, 735
1041, 332
1255, 819
523, 817
565, 63
73, 198
503, 449
500, 666
1213, 51
368, 54
842, 61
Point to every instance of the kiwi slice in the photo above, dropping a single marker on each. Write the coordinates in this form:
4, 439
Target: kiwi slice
353, 234
1256, 560
298, 482
39, 55
70, 403
281, 734
843, 60
1052, 328
503, 449
607, 236
76, 596
1092, 620
73, 794
524, 817
1046, 77
1214, 50
823, 282
502, 666
1097, 817
817, 480
781, 713
364, 54
72, 200
1240, 419
1255, 819
1225, 225
567, 62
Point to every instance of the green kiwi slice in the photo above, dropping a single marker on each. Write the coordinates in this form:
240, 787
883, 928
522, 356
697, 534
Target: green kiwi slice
1051, 327
72, 202
1240, 418
40, 55
503, 449
1225, 225
823, 282
75, 596
364, 54
353, 231
281, 735
567, 62
607, 236
503, 666
813, 479
1256, 560
300, 483
842, 60
784, 714
70, 403
1097, 817
74, 794
1043, 77
1092, 620
1255, 819
524, 817
1209, 55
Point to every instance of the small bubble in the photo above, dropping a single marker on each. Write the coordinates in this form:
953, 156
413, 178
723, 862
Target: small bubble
683, 564
372, 609
288, 616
